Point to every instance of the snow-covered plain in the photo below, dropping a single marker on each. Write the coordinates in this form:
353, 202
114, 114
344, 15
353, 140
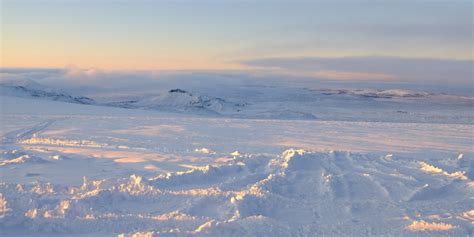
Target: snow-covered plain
252, 161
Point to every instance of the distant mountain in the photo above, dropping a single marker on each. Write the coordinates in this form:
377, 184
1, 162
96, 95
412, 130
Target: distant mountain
178, 100
29, 89
268, 102
372, 93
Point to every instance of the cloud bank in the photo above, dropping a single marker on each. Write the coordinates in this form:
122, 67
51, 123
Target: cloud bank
419, 70
435, 75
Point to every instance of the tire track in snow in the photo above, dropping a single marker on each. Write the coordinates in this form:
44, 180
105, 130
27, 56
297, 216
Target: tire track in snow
26, 133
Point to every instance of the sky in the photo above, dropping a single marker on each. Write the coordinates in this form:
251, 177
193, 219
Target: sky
242, 35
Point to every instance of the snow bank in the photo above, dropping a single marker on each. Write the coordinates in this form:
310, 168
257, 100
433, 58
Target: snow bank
337, 193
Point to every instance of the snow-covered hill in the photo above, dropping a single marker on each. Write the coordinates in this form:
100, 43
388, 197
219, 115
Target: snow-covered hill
30, 89
387, 94
178, 100
390, 105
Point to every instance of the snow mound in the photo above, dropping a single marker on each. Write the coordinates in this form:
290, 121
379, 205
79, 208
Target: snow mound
16, 157
204, 151
426, 226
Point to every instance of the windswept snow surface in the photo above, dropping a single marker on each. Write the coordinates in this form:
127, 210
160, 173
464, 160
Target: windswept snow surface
74, 169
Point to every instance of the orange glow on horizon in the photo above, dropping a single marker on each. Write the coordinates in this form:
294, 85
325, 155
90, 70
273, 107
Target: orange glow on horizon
124, 64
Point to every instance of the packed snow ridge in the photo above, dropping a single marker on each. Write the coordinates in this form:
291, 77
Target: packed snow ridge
297, 193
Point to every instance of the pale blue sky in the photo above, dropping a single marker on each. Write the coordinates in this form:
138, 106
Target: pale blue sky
208, 34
